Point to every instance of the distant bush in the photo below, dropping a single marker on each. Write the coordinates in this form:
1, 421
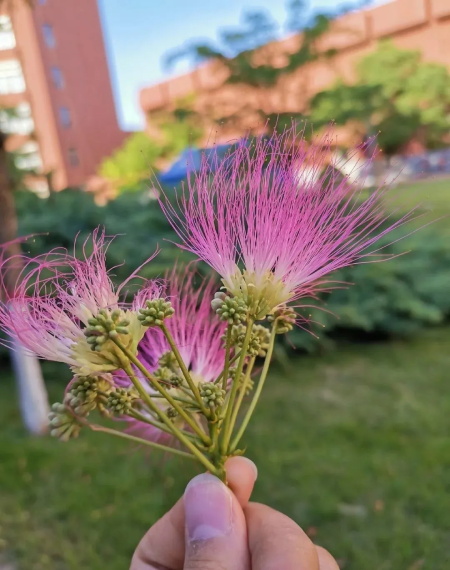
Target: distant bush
135, 218
384, 299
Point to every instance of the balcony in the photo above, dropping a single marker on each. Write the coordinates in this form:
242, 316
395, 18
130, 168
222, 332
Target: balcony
28, 157
7, 37
17, 120
12, 80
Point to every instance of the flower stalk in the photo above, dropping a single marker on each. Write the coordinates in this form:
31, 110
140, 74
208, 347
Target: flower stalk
154, 382
229, 403
184, 370
258, 390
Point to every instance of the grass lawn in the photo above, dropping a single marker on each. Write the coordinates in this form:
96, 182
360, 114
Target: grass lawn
432, 196
353, 445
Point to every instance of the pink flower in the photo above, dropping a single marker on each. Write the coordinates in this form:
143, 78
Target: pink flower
54, 299
197, 333
272, 224
195, 328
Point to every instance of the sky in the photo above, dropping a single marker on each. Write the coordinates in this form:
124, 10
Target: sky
139, 32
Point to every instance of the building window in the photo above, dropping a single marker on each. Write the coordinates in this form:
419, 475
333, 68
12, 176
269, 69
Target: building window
17, 120
64, 117
7, 38
57, 77
49, 36
28, 157
11, 77
74, 159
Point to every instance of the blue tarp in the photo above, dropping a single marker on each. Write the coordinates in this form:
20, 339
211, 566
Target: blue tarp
190, 160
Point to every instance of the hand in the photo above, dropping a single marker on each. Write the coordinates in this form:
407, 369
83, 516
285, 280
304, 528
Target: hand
212, 528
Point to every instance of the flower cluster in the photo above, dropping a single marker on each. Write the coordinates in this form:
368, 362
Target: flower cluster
271, 233
175, 362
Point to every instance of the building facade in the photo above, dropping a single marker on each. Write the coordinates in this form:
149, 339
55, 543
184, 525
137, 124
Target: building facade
422, 25
56, 100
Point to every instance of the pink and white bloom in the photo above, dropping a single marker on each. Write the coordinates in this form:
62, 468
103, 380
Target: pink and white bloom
269, 232
54, 299
198, 334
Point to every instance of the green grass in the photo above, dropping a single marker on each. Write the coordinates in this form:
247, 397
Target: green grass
353, 445
431, 196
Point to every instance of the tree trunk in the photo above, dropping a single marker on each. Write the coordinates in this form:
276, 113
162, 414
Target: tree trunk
33, 397
32, 393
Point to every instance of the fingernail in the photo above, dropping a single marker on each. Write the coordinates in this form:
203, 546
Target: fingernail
208, 508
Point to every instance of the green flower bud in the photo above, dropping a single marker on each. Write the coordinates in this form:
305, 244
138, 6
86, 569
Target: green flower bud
233, 310
249, 383
284, 317
168, 360
155, 311
64, 425
120, 401
212, 394
104, 326
171, 413
85, 393
167, 376
259, 339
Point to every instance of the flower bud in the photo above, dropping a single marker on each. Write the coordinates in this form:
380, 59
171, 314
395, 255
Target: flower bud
64, 425
155, 312
284, 318
120, 401
233, 310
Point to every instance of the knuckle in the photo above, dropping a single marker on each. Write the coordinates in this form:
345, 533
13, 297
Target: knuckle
204, 556
204, 564
287, 533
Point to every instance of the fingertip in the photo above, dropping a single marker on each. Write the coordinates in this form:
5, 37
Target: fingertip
241, 475
242, 466
326, 561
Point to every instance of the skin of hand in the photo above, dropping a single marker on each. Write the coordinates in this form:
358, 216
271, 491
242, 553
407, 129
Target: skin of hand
214, 527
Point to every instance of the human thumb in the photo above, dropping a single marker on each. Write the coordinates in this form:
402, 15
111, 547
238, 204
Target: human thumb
216, 533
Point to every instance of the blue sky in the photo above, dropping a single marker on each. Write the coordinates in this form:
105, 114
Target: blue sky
139, 32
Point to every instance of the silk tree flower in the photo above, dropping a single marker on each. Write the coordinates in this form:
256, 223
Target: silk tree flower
197, 333
271, 233
58, 297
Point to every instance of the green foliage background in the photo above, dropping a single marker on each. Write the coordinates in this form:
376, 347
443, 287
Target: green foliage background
396, 95
392, 298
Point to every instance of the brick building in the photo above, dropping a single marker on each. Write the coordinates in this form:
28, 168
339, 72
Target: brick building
56, 100
422, 25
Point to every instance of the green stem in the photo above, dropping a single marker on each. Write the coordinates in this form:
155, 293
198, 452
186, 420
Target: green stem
232, 361
226, 434
176, 432
153, 444
205, 439
242, 393
177, 398
159, 425
227, 356
258, 390
184, 370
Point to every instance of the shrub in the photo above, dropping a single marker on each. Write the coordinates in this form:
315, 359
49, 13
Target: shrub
393, 298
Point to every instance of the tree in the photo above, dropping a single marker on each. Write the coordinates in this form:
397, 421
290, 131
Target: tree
396, 96
130, 164
32, 393
253, 57
140, 154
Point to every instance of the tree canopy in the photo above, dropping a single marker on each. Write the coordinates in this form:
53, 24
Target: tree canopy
140, 154
245, 50
396, 95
